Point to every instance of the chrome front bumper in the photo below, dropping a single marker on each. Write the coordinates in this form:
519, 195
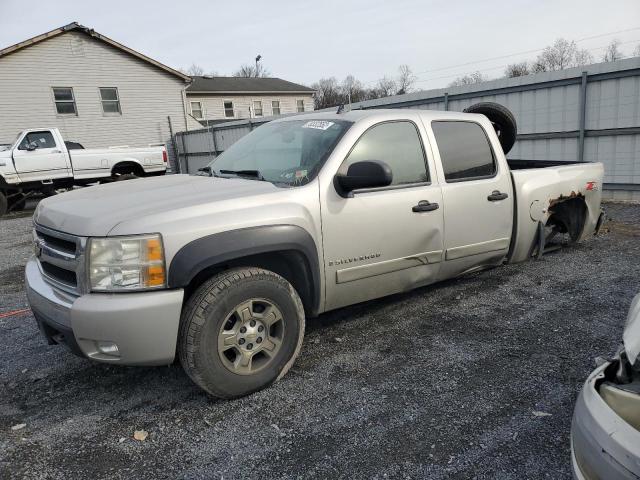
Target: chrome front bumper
124, 328
603, 445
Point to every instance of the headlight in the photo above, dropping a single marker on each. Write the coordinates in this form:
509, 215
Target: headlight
126, 263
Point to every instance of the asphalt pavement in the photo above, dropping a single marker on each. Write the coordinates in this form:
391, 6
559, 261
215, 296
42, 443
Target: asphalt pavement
472, 378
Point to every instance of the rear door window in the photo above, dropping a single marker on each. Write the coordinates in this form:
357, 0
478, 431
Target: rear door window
465, 151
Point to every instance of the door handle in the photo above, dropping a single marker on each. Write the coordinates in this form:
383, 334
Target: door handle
56, 151
497, 195
425, 206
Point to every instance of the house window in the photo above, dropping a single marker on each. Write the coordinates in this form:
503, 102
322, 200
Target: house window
110, 100
65, 101
257, 108
275, 107
300, 105
196, 110
228, 109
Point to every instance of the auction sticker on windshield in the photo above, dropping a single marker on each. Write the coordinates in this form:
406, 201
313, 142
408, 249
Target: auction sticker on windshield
318, 124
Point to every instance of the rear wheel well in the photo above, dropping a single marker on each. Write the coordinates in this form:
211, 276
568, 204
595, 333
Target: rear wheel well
289, 264
124, 168
568, 215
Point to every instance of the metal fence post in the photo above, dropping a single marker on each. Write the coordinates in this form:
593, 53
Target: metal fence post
213, 137
582, 116
185, 153
174, 144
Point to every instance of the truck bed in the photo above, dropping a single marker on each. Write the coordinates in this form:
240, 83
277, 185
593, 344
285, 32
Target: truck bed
98, 162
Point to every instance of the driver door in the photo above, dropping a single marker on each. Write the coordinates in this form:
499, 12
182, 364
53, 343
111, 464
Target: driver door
37, 157
380, 241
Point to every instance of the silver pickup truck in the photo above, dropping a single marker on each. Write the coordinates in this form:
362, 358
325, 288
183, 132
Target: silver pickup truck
305, 214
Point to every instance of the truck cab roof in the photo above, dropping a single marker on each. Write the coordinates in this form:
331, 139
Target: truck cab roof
381, 114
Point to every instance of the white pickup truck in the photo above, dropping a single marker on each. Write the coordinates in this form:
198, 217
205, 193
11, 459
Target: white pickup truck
303, 215
41, 161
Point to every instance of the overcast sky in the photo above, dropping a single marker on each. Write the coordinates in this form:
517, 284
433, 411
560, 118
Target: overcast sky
303, 41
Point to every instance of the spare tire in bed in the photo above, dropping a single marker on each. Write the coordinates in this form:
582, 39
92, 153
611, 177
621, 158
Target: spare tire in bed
502, 119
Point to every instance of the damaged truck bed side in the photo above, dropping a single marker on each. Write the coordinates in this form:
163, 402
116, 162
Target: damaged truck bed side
303, 215
554, 197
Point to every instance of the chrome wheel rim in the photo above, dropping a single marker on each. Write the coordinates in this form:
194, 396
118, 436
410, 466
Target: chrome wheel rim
251, 336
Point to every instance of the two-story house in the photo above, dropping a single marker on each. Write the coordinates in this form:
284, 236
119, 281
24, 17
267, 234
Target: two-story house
97, 91
216, 99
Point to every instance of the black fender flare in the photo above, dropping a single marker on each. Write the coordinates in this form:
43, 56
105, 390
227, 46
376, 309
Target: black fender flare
218, 248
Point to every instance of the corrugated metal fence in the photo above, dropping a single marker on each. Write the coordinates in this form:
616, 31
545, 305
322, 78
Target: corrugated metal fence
587, 114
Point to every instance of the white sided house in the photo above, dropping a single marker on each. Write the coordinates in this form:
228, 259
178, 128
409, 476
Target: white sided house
98, 92
220, 99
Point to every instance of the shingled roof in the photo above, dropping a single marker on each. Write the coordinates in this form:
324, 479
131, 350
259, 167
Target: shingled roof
245, 85
75, 26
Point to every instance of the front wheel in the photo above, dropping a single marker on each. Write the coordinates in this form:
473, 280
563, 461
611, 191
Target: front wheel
241, 331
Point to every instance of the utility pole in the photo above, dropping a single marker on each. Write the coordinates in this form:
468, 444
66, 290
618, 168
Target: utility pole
257, 60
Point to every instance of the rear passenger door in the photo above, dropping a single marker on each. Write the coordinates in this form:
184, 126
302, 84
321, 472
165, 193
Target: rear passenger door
477, 196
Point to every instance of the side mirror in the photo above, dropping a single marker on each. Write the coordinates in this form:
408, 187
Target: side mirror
366, 174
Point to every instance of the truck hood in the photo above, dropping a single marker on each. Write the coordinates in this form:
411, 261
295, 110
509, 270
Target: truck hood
94, 211
631, 336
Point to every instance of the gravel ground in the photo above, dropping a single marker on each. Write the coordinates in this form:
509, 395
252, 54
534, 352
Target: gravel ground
442, 382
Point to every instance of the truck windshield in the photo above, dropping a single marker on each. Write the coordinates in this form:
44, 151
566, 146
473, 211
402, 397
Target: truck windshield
288, 153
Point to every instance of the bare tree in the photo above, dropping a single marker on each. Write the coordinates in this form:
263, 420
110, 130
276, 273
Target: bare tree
538, 66
327, 93
517, 70
249, 71
582, 57
562, 54
373, 93
406, 79
612, 53
352, 88
471, 78
386, 86
558, 56
194, 70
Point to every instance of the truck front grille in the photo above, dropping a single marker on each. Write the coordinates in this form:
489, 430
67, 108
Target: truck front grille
61, 258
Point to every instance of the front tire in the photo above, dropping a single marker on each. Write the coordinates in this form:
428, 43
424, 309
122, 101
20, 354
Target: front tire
240, 332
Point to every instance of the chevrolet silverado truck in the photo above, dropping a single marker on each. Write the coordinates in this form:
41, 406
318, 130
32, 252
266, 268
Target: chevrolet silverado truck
304, 215
39, 160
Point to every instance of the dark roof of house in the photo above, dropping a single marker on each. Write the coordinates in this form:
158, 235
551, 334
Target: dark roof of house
245, 85
75, 26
